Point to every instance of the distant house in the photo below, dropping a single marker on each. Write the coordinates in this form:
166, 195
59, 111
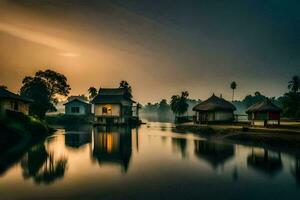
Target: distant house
76, 105
264, 113
114, 106
214, 109
13, 102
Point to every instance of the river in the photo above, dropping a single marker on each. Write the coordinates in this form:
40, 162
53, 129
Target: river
153, 161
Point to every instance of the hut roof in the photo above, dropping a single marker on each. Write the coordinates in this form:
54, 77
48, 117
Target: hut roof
112, 95
5, 94
263, 106
214, 103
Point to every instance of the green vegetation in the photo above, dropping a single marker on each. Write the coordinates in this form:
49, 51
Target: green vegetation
19, 131
179, 104
44, 88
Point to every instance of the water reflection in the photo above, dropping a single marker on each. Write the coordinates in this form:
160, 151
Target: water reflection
42, 166
180, 144
77, 137
112, 146
215, 154
151, 155
296, 169
265, 161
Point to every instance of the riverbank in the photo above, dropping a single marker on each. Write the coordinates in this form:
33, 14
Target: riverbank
18, 133
286, 137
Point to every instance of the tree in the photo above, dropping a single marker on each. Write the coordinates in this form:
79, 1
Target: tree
92, 92
249, 100
291, 100
294, 84
233, 87
3, 87
44, 88
37, 90
125, 84
179, 104
56, 83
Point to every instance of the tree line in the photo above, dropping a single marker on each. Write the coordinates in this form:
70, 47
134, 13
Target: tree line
45, 88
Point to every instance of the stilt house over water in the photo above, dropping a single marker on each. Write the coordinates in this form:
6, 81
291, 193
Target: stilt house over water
114, 106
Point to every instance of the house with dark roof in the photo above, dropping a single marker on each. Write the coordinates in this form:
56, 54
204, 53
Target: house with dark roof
13, 102
264, 113
76, 105
214, 109
114, 106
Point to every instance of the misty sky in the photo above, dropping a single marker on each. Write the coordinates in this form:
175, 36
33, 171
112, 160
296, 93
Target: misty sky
160, 47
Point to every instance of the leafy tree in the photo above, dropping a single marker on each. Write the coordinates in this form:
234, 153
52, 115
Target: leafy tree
37, 90
249, 100
294, 84
125, 84
291, 100
44, 88
3, 87
92, 92
291, 105
179, 104
56, 83
233, 87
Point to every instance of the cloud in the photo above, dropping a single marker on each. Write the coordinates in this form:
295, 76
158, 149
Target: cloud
39, 38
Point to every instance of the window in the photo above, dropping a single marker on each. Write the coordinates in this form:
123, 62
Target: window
74, 109
106, 110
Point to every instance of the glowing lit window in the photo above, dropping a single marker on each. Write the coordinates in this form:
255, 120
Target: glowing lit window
107, 110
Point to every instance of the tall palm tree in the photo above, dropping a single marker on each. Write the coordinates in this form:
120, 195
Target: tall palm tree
233, 87
93, 92
294, 84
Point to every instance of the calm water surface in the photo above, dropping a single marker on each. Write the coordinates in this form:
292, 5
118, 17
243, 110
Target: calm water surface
151, 162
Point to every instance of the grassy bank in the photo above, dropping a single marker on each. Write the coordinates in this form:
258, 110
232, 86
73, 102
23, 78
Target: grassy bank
18, 133
284, 137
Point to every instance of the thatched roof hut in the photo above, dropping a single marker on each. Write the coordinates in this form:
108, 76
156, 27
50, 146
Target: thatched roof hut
263, 106
214, 109
214, 103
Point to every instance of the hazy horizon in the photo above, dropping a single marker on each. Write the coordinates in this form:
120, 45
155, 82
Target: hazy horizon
159, 47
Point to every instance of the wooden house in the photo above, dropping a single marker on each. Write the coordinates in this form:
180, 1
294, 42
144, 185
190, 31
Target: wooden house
214, 109
13, 102
264, 113
114, 106
76, 105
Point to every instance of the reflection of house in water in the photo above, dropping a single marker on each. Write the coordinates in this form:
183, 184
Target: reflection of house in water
77, 139
113, 146
265, 161
180, 144
214, 153
296, 170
